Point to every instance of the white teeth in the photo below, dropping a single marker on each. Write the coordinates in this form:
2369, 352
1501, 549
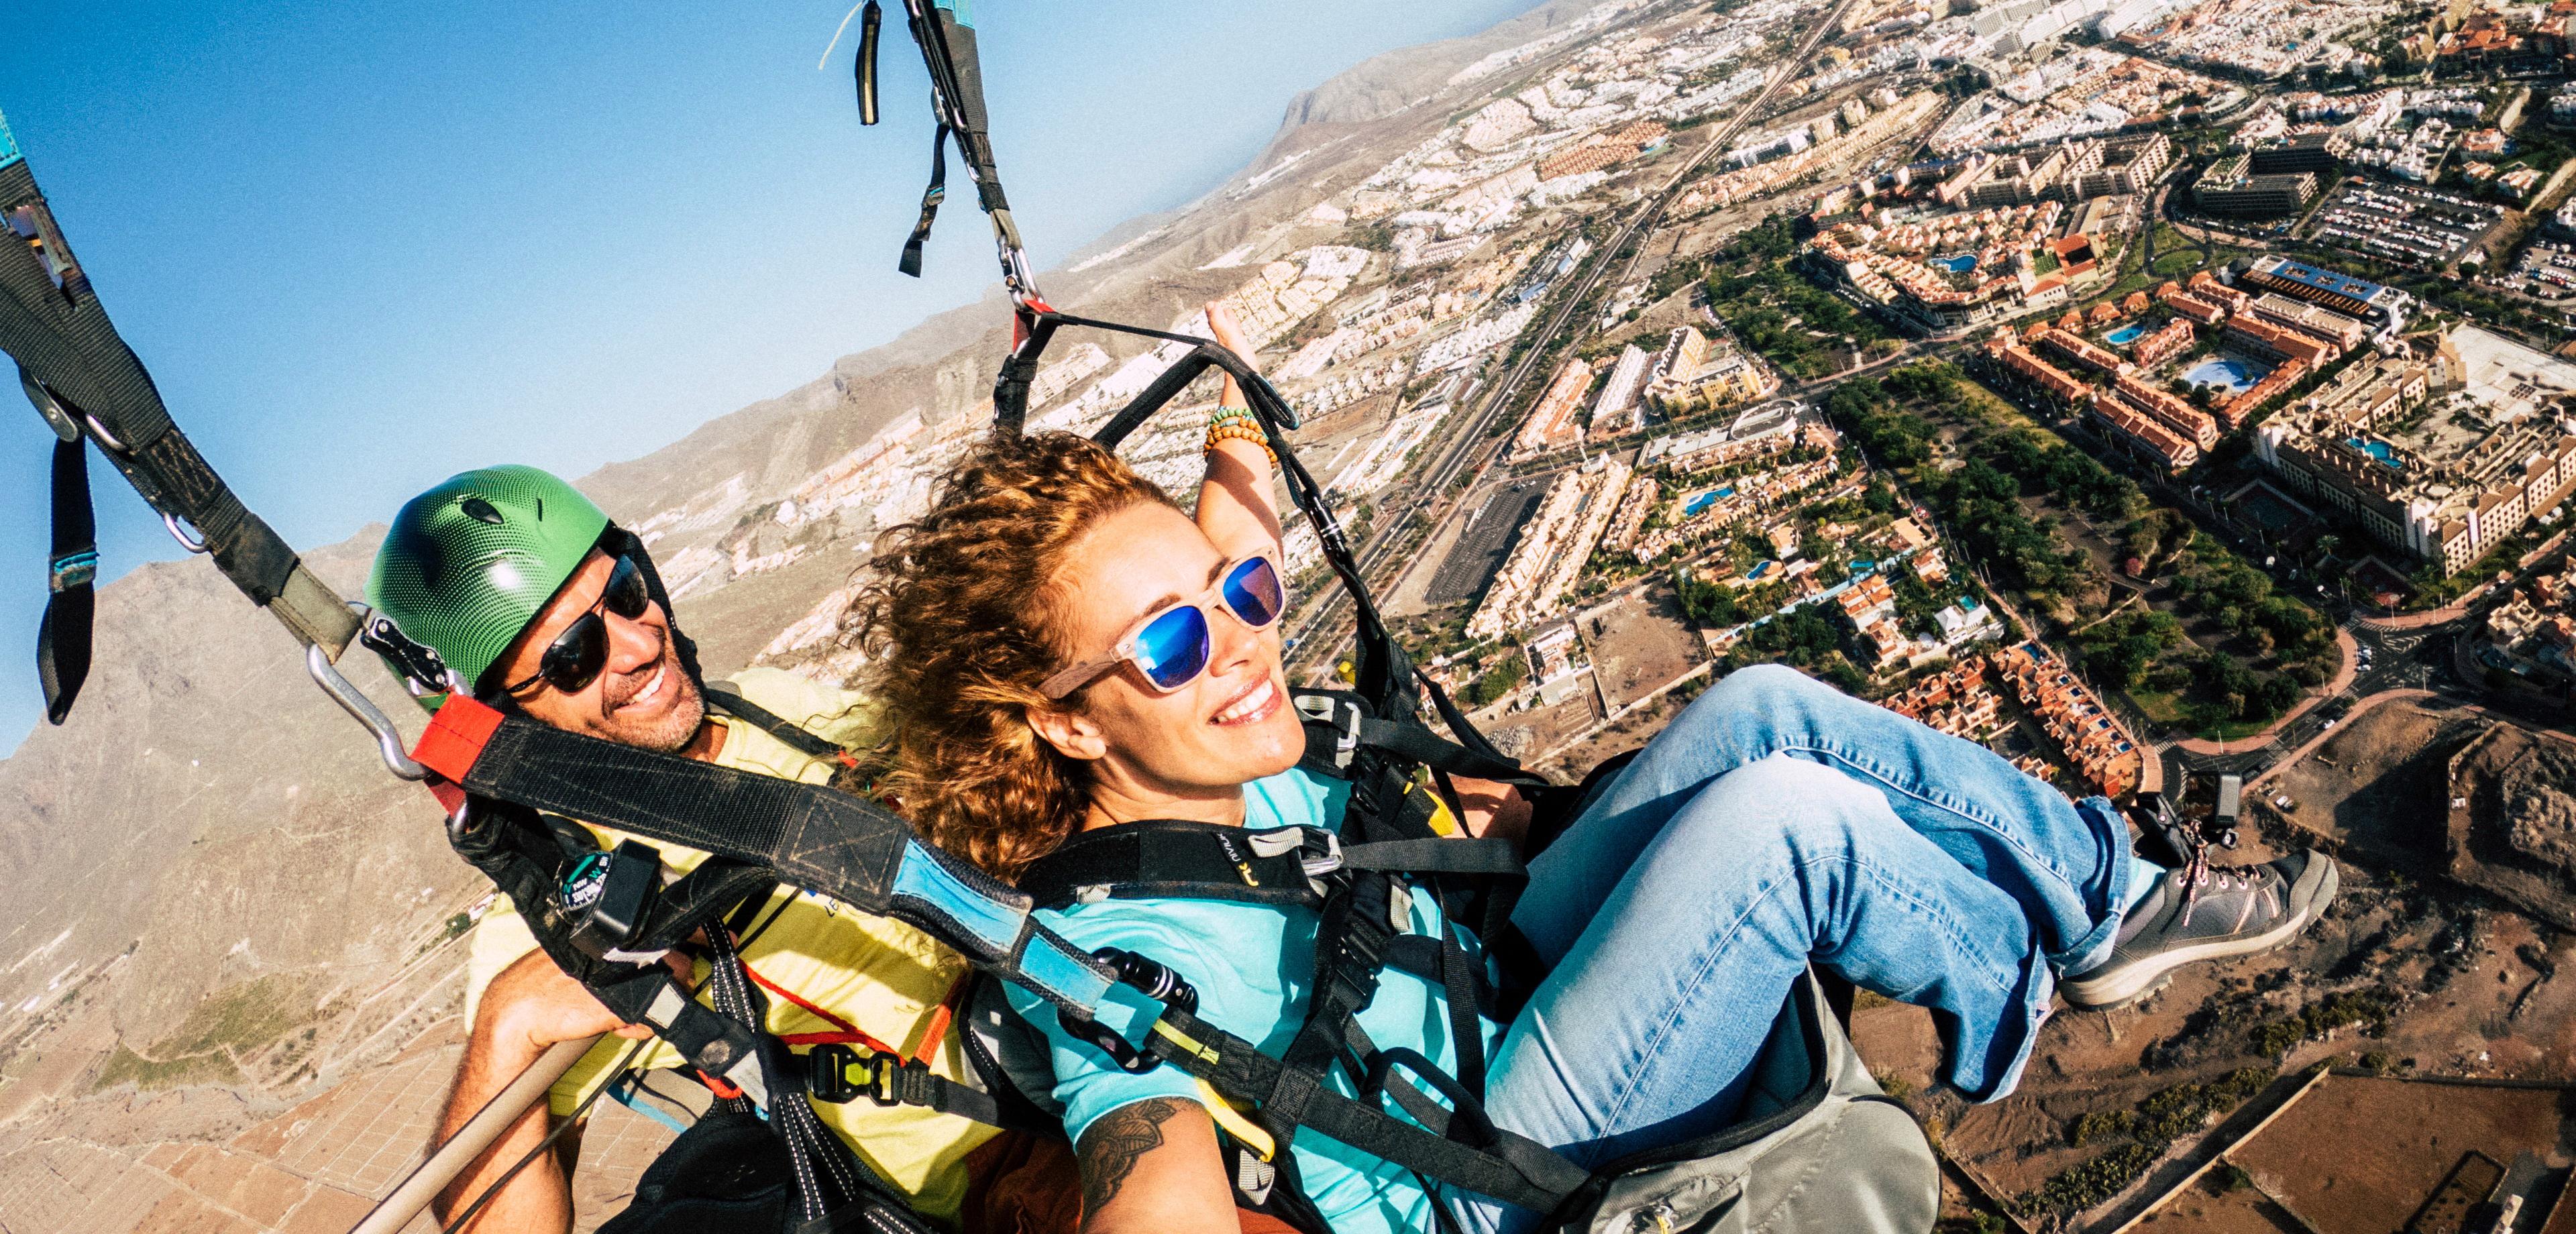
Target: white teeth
651, 688
1254, 700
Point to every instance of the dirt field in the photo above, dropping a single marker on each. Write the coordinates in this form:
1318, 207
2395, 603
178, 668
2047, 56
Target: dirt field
2376, 785
2512, 820
1639, 643
2312, 1162
1527, 734
2214, 1206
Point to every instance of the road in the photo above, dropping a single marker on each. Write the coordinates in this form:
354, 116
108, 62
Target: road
1469, 444
2402, 660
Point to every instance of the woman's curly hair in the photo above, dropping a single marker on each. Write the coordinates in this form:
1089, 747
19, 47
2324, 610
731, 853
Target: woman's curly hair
959, 630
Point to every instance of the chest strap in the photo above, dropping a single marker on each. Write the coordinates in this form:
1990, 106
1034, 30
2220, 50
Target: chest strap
793, 736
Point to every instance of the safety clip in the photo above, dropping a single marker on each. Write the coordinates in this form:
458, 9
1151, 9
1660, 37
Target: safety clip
1158, 982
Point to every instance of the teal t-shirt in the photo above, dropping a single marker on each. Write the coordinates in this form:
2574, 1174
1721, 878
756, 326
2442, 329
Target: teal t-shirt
1251, 965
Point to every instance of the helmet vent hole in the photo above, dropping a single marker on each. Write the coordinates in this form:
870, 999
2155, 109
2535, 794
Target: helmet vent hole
481, 511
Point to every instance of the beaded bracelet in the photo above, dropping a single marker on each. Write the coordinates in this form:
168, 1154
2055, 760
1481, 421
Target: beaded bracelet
1240, 430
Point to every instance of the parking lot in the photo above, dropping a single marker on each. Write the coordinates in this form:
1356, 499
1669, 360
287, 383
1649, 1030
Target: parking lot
2424, 228
2546, 269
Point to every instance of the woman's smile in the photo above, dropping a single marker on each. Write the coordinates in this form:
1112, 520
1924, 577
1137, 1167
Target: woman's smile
1251, 705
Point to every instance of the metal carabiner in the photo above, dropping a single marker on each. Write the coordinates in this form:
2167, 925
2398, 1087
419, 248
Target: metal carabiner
389, 742
174, 524
1158, 981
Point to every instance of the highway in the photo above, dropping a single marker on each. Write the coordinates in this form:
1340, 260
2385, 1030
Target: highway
1469, 444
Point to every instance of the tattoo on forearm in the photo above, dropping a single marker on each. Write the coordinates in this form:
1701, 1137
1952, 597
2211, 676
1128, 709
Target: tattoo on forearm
1112, 1145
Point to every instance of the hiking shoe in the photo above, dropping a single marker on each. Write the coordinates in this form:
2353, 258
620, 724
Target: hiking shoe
2206, 912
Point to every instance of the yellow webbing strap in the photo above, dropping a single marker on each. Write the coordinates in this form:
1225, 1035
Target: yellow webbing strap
1244, 1130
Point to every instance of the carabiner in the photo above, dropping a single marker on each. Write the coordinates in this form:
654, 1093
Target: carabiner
1159, 983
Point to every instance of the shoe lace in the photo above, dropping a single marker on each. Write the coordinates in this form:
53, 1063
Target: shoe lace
2197, 876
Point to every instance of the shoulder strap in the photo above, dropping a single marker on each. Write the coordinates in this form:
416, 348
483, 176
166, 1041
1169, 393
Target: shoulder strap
794, 736
1171, 859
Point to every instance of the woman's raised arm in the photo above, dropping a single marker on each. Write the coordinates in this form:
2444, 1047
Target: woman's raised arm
1238, 503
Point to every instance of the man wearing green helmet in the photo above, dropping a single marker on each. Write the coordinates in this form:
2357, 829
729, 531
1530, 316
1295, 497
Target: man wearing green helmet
508, 583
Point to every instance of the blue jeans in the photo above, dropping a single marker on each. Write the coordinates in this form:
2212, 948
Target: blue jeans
1779, 822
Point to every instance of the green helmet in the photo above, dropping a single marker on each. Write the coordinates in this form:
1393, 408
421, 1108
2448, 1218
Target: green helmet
469, 563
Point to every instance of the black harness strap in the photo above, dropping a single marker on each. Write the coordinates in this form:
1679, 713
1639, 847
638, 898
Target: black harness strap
1169, 857
80, 373
788, 732
63, 638
931, 197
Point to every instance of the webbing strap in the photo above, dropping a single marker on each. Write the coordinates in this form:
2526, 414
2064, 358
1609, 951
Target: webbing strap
808, 835
1412, 742
931, 196
789, 733
63, 637
1436, 855
51, 322
1524, 1173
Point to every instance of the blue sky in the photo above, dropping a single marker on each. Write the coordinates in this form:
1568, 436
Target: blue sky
365, 245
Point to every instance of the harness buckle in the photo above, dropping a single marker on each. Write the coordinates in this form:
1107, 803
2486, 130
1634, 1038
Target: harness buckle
1323, 852
1347, 743
1343, 715
879, 1078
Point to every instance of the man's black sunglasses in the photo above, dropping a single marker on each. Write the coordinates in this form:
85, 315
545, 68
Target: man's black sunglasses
574, 659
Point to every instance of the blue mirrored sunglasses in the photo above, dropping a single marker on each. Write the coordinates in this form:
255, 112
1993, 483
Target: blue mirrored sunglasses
1171, 646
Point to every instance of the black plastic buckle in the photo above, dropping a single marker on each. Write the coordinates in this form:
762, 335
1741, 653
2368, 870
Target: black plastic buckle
828, 1075
1158, 982
608, 895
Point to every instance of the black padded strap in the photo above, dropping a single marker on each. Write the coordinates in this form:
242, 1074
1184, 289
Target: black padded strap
1172, 859
818, 838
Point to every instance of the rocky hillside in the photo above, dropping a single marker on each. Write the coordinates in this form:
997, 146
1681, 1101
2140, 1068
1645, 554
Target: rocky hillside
210, 824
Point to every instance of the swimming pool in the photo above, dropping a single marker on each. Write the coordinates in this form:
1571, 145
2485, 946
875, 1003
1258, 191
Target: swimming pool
2236, 375
1960, 264
2125, 335
1705, 500
2385, 453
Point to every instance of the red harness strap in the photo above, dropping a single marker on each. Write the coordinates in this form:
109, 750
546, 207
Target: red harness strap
453, 740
